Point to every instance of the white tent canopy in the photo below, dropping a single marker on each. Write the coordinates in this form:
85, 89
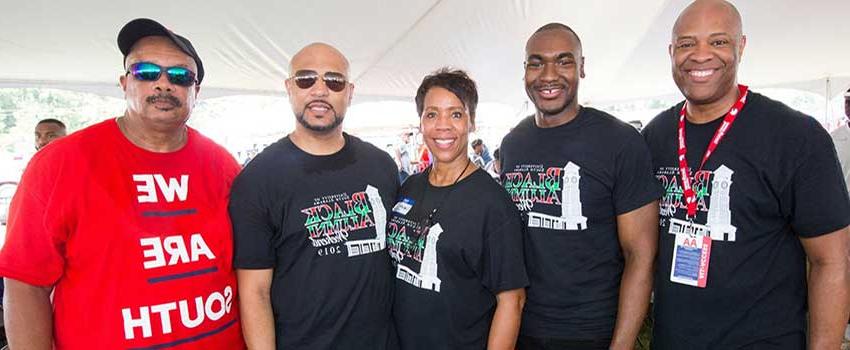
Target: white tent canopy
393, 44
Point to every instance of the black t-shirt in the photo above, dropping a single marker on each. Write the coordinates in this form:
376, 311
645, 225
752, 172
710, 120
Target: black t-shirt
320, 223
447, 275
571, 182
773, 179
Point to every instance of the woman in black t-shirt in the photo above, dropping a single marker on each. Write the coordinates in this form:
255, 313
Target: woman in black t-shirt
455, 236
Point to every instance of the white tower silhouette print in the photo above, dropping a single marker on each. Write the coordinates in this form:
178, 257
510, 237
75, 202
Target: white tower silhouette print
571, 199
719, 213
571, 215
427, 277
428, 268
366, 246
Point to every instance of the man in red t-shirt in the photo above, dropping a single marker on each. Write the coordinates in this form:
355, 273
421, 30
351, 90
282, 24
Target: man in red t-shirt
125, 222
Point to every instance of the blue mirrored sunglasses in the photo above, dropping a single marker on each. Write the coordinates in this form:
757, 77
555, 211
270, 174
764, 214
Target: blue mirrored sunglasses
147, 71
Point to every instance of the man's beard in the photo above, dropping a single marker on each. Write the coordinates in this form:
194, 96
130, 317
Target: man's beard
319, 128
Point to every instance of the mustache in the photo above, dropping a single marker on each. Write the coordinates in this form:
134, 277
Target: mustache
164, 97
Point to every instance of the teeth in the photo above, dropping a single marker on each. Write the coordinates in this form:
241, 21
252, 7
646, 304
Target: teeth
701, 73
443, 142
550, 91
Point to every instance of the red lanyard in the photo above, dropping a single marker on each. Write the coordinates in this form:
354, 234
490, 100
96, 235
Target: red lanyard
684, 172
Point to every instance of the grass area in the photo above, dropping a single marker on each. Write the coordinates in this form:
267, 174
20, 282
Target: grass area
644, 338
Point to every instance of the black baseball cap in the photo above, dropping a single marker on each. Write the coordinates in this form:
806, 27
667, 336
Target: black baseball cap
142, 27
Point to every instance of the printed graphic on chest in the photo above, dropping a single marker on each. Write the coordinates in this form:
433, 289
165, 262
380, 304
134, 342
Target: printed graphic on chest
172, 257
333, 218
406, 239
529, 185
151, 186
712, 190
410, 243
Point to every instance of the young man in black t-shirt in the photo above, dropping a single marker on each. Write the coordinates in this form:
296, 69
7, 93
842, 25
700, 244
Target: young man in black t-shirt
309, 222
583, 182
753, 188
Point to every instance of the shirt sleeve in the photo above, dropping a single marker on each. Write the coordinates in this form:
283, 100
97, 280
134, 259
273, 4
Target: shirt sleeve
502, 253
635, 184
36, 229
231, 168
816, 200
253, 230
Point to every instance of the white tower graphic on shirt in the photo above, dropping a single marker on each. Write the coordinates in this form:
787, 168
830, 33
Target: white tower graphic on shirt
366, 246
571, 214
571, 198
427, 277
719, 213
428, 268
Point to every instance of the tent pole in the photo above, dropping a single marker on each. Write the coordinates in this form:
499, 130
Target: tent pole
827, 114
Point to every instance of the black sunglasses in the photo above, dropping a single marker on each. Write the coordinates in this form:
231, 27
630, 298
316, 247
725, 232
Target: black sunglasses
147, 71
304, 79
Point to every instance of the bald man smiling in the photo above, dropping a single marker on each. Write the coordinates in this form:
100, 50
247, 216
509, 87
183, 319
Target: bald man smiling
753, 190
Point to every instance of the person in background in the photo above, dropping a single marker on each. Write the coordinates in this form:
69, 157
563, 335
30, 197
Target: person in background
424, 158
404, 155
48, 130
494, 168
481, 156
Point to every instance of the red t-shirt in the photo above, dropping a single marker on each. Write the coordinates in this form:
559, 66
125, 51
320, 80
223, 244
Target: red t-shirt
424, 158
137, 244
